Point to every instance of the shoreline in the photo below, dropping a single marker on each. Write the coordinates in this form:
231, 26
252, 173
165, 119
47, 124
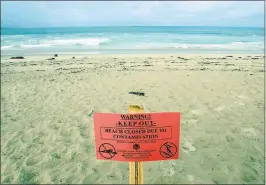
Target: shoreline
78, 56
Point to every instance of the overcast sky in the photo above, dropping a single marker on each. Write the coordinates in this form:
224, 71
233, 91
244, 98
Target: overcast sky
86, 13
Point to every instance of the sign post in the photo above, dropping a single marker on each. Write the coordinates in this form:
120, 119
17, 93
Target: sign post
135, 168
137, 137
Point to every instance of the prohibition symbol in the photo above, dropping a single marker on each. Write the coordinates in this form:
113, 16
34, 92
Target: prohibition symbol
107, 151
168, 150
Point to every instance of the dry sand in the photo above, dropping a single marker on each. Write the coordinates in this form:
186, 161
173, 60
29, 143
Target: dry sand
47, 128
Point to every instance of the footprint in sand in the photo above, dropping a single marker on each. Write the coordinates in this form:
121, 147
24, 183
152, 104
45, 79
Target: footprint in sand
190, 178
192, 122
35, 159
250, 133
241, 103
219, 109
170, 169
188, 146
196, 112
242, 97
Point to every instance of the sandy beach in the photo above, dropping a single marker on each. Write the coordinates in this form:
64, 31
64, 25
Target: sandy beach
47, 125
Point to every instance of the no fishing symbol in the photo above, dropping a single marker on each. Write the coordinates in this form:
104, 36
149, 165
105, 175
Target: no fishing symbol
168, 150
107, 151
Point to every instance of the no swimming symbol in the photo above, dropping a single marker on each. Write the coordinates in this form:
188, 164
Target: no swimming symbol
107, 151
168, 150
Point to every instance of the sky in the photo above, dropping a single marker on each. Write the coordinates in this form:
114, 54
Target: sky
132, 13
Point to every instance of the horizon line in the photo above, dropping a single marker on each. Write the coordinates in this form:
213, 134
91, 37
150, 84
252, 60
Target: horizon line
131, 26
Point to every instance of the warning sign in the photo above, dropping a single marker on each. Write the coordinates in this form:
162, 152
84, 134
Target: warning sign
137, 137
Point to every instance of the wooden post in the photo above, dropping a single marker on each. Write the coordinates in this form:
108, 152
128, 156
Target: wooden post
135, 168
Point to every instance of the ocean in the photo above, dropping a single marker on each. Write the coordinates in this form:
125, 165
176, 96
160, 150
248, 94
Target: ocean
132, 40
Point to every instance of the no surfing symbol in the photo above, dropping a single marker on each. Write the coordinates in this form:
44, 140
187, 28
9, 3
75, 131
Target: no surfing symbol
137, 137
168, 150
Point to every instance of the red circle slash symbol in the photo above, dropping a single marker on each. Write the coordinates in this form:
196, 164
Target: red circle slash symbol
168, 150
107, 151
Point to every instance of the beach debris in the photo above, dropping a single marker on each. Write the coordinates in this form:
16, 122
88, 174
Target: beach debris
236, 70
123, 62
137, 93
78, 71
188, 147
50, 58
73, 57
229, 56
260, 104
252, 158
182, 58
250, 133
19, 57
56, 55
90, 114
255, 58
